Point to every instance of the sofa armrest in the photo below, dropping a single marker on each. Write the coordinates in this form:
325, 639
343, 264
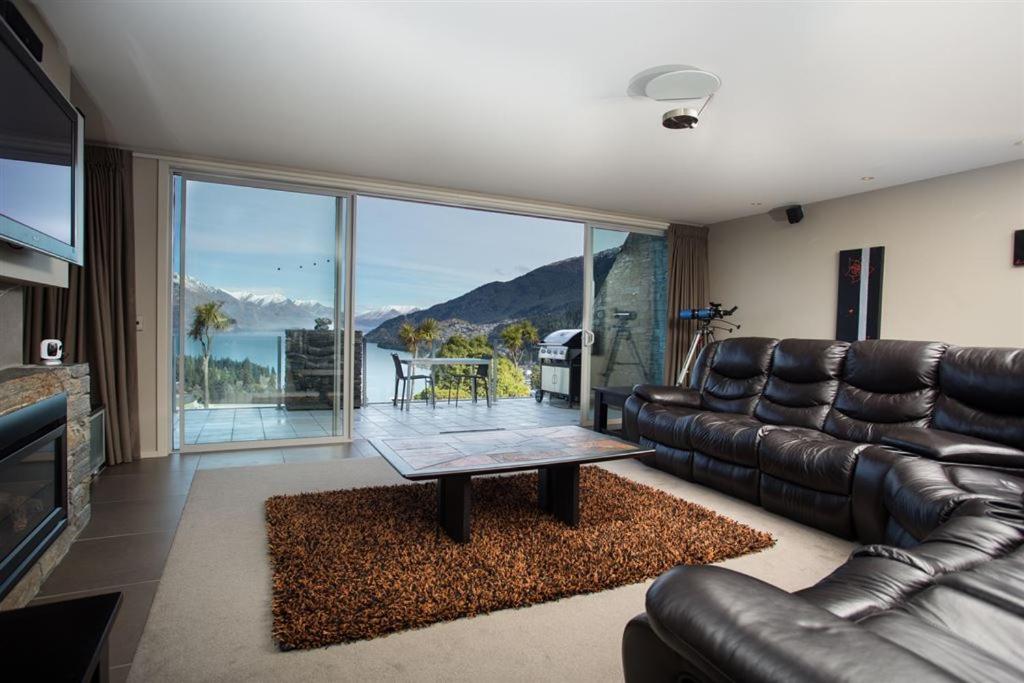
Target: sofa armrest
668, 395
734, 627
944, 446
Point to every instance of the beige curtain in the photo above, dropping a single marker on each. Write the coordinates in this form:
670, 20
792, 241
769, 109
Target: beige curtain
95, 315
689, 286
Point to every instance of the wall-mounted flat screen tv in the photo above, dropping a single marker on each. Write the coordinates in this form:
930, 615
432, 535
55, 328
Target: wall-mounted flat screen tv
41, 158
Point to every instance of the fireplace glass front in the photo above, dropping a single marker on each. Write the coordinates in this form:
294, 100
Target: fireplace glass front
33, 485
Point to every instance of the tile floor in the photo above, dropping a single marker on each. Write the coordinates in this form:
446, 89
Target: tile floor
220, 425
136, 507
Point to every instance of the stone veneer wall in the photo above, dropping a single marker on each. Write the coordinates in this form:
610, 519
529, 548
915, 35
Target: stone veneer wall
309, 369
23, 386
636, 283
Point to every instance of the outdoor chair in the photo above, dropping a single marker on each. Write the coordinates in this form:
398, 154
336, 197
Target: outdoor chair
400, 376
480, 374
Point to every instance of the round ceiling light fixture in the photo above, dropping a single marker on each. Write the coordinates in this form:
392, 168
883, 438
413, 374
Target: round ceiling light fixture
681, 83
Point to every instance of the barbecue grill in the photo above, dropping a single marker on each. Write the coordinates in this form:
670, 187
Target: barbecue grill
560, 356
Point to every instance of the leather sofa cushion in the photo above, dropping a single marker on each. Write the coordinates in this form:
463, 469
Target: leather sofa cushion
736, 374
971, 530
865, 585
668, 459
957, 658
668, 395
981, 393
669, 425
889, 366
727, 436
734, 627
802, 382
999, 582
739, 481
942, 445
885, 383
922, 494
828, 511
814, 460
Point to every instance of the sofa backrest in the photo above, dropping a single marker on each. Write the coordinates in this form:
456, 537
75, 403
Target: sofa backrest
699, 372
885, 383
802, 382
981, 394
736, 374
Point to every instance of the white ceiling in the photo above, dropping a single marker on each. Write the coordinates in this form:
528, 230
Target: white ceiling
528, 100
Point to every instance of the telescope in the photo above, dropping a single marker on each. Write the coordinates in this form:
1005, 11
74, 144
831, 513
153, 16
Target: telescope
705, 332
712, 312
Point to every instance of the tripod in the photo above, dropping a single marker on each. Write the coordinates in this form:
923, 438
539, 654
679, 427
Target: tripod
623, 334
704, 335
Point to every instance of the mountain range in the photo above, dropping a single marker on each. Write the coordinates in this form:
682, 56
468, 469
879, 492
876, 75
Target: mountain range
259, 312
367, 320
551, 297
255, 311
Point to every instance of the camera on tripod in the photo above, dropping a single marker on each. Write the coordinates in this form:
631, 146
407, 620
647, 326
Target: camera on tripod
713, 311
623, 337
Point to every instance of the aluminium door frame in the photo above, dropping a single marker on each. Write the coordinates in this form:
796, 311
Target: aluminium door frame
343, 262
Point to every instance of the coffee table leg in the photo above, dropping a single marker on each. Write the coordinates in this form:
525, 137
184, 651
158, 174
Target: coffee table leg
454, 495
600, 414
558, 492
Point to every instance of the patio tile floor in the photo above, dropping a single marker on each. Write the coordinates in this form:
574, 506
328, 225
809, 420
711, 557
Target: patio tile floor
224, 425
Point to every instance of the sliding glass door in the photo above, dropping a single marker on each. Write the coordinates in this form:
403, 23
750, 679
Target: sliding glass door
626, 319
258, 312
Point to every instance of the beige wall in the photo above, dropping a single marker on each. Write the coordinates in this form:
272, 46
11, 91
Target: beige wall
948, 273
145, 177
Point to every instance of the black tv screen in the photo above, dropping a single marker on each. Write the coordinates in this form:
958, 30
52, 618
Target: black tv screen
41, 150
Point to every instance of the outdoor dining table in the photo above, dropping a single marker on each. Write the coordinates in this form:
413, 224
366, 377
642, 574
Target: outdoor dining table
432, 363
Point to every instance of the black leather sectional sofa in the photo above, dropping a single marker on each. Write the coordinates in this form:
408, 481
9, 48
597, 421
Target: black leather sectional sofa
916, 449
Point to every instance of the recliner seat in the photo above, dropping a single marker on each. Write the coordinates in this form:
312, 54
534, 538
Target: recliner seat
913, 444
786, 424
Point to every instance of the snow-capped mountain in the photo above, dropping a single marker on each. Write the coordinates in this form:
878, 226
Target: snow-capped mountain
367, 320
275, 311
255, 311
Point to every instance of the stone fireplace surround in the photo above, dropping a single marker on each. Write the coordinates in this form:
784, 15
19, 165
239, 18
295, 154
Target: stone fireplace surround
22, 386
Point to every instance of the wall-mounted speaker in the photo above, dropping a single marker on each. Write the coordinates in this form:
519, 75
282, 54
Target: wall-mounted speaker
795, 214
1018, 247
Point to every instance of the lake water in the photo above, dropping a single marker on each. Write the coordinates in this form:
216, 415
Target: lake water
267, 348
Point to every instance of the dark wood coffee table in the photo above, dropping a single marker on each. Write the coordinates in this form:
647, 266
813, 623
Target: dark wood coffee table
453, 459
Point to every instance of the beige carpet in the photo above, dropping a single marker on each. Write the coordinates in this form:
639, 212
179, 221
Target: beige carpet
211, 617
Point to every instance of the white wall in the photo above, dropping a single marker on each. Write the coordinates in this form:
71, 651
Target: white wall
948, 261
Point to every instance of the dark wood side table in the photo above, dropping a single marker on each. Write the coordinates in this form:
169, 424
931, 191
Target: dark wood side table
59, 641
605, 398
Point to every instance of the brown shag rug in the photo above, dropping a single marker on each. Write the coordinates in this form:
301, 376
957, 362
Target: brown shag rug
356, 564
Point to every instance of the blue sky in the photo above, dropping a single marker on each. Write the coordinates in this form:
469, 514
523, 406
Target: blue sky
273, 242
